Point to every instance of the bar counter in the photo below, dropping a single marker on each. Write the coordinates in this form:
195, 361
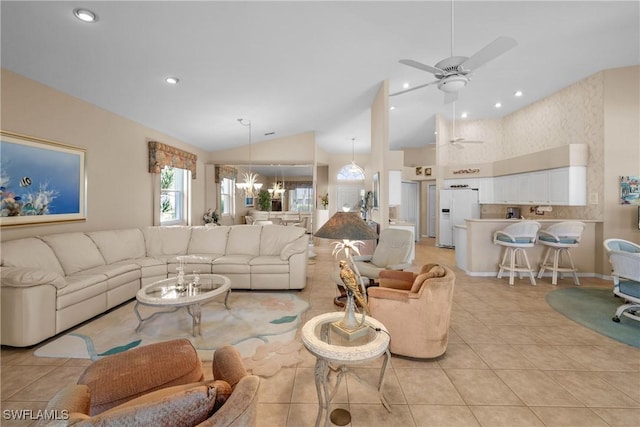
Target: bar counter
479, 256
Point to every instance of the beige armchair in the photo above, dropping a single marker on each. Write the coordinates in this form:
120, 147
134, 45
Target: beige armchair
162, 385
391, 253
416, 309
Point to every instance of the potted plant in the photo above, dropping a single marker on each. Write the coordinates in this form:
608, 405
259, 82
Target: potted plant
324, 200
264, 200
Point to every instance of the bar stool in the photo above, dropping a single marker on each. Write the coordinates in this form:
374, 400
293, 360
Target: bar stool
515, 238
558, 238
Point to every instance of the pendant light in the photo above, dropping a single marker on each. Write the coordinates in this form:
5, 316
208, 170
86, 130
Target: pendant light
354, 168
250, 184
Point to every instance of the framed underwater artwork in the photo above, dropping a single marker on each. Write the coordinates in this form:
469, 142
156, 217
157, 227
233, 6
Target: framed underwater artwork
630, 190
41, 181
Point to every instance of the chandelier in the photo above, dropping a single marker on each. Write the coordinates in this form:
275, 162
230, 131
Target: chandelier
278, 189
249, 184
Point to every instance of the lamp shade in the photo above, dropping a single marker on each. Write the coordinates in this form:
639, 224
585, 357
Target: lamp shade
346, 226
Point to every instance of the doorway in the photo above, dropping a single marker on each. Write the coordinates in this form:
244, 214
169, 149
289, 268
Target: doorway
431, 210
410, 205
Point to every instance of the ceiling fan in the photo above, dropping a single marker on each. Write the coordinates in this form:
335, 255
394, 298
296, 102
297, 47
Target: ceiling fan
453, 73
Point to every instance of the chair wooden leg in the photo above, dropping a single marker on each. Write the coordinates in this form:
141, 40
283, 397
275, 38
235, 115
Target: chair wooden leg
531, 276
573, 267
554, 276
512, 264
504, 258
544, 262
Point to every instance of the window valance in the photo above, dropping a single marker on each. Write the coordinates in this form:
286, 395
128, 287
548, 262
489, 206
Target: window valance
161, 155
225, 171
292, 185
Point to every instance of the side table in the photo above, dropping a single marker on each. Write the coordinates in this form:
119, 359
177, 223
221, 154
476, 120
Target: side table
317, 338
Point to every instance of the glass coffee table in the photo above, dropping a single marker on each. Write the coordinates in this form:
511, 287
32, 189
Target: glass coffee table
193, 291
330, 349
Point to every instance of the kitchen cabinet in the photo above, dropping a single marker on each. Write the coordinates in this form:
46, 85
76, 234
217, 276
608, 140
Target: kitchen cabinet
561, 187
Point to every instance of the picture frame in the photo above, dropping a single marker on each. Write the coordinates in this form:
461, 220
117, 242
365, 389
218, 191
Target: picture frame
427, 171
629, 190
419, 170
41, 181
248, 201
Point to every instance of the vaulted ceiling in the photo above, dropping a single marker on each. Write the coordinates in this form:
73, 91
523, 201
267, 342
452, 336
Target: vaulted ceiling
293, 67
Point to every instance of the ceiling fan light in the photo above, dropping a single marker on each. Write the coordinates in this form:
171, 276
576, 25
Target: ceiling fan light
453, 83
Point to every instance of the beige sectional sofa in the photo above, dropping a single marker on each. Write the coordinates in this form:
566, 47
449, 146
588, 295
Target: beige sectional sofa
53, 282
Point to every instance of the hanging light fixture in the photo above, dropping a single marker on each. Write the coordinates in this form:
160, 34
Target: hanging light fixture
250, 184
277, 190
354, 168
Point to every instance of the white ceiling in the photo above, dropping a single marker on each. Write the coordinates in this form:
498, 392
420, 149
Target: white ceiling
293, 67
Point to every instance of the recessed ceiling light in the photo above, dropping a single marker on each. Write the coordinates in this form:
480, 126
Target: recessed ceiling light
518, 93
393, 107
172, 80
405, 86
498, 105
85, 15
464, 115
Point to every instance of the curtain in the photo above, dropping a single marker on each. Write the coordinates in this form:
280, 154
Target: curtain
161, 155
225, 171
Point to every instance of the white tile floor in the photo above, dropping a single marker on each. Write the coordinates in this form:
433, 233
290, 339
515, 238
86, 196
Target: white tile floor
512, 361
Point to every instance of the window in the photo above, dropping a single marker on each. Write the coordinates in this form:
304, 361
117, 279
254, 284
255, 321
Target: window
301, 199
351, 172
227, 201
174, 195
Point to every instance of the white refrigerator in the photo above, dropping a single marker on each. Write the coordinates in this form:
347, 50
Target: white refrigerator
456, 205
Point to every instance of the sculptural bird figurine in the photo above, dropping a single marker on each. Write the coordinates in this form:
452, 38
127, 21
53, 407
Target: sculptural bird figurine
350, 281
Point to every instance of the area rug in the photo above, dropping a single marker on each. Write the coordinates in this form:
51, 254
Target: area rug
594, 308
262, 325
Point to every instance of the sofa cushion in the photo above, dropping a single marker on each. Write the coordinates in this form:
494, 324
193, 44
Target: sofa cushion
274, 238
75, 251
81, 288
208, 240
173, 240
30, 252
118, 245
244, 240
164, 407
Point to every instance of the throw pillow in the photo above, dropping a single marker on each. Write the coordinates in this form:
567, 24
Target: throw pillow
164, 407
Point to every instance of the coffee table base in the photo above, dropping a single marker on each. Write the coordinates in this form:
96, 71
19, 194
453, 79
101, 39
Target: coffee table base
194, 310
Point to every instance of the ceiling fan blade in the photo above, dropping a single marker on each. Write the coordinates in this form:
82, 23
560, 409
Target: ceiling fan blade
489, 52
421, 66
413, 88
450, 97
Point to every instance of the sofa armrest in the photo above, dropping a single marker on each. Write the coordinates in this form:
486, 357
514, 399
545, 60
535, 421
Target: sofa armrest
363, 258
228, 366
74, 398
298, 246
388, 293
241, 406
25, 277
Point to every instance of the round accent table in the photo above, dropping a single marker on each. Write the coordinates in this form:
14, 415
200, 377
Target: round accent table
329, 348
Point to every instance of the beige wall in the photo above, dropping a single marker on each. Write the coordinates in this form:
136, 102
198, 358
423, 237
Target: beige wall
621, 154
119, 186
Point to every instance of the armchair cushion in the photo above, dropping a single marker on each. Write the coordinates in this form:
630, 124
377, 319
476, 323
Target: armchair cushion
125, 376
396, 279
